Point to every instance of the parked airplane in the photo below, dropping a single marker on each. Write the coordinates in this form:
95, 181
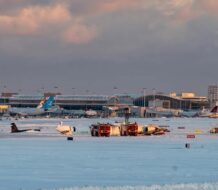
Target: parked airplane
91, 113
44, 106
188, 113
14, 129
211, 114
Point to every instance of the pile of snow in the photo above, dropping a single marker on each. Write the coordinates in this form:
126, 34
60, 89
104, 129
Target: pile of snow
194, 186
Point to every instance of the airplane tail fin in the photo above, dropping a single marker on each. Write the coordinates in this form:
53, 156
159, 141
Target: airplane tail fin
214, 110
48, 103
41, 103
14, 128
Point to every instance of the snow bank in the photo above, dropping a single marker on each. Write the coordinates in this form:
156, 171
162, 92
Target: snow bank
194, 186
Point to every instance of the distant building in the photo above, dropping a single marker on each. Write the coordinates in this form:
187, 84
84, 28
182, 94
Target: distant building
8, 94
188, 96
159, 103
212, 94
46, 94
124, 99
4, 98
82, 102
24, 100
70, 102
183, 101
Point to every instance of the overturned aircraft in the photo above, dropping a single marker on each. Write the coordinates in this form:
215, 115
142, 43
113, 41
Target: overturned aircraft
14, 129
65, 129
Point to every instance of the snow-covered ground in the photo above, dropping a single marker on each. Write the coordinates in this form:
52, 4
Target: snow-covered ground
46, 160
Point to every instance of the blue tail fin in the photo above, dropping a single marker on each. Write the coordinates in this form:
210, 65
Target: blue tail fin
48, 103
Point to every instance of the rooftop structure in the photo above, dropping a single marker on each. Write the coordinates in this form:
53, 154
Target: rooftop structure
188, 96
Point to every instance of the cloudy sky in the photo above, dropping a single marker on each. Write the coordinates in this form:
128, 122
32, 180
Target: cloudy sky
91, 46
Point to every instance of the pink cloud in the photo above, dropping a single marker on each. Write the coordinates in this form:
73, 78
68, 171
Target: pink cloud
17, 25
186, 10
183, 10
30, 20
79, 34
116, 5
56, 19
210, 6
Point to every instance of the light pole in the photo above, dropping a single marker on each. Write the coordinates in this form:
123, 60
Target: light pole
56, 89
154, 91
73, 89
4, 92
115, 89
115, 95
87, 93
43, 91
144, 94
5, 89
56, 92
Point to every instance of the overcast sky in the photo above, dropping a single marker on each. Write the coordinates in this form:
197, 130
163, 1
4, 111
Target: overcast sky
92, 46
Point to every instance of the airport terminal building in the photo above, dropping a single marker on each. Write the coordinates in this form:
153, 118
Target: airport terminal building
183, 101
112, 105
81, 102
68, 102
22, 101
